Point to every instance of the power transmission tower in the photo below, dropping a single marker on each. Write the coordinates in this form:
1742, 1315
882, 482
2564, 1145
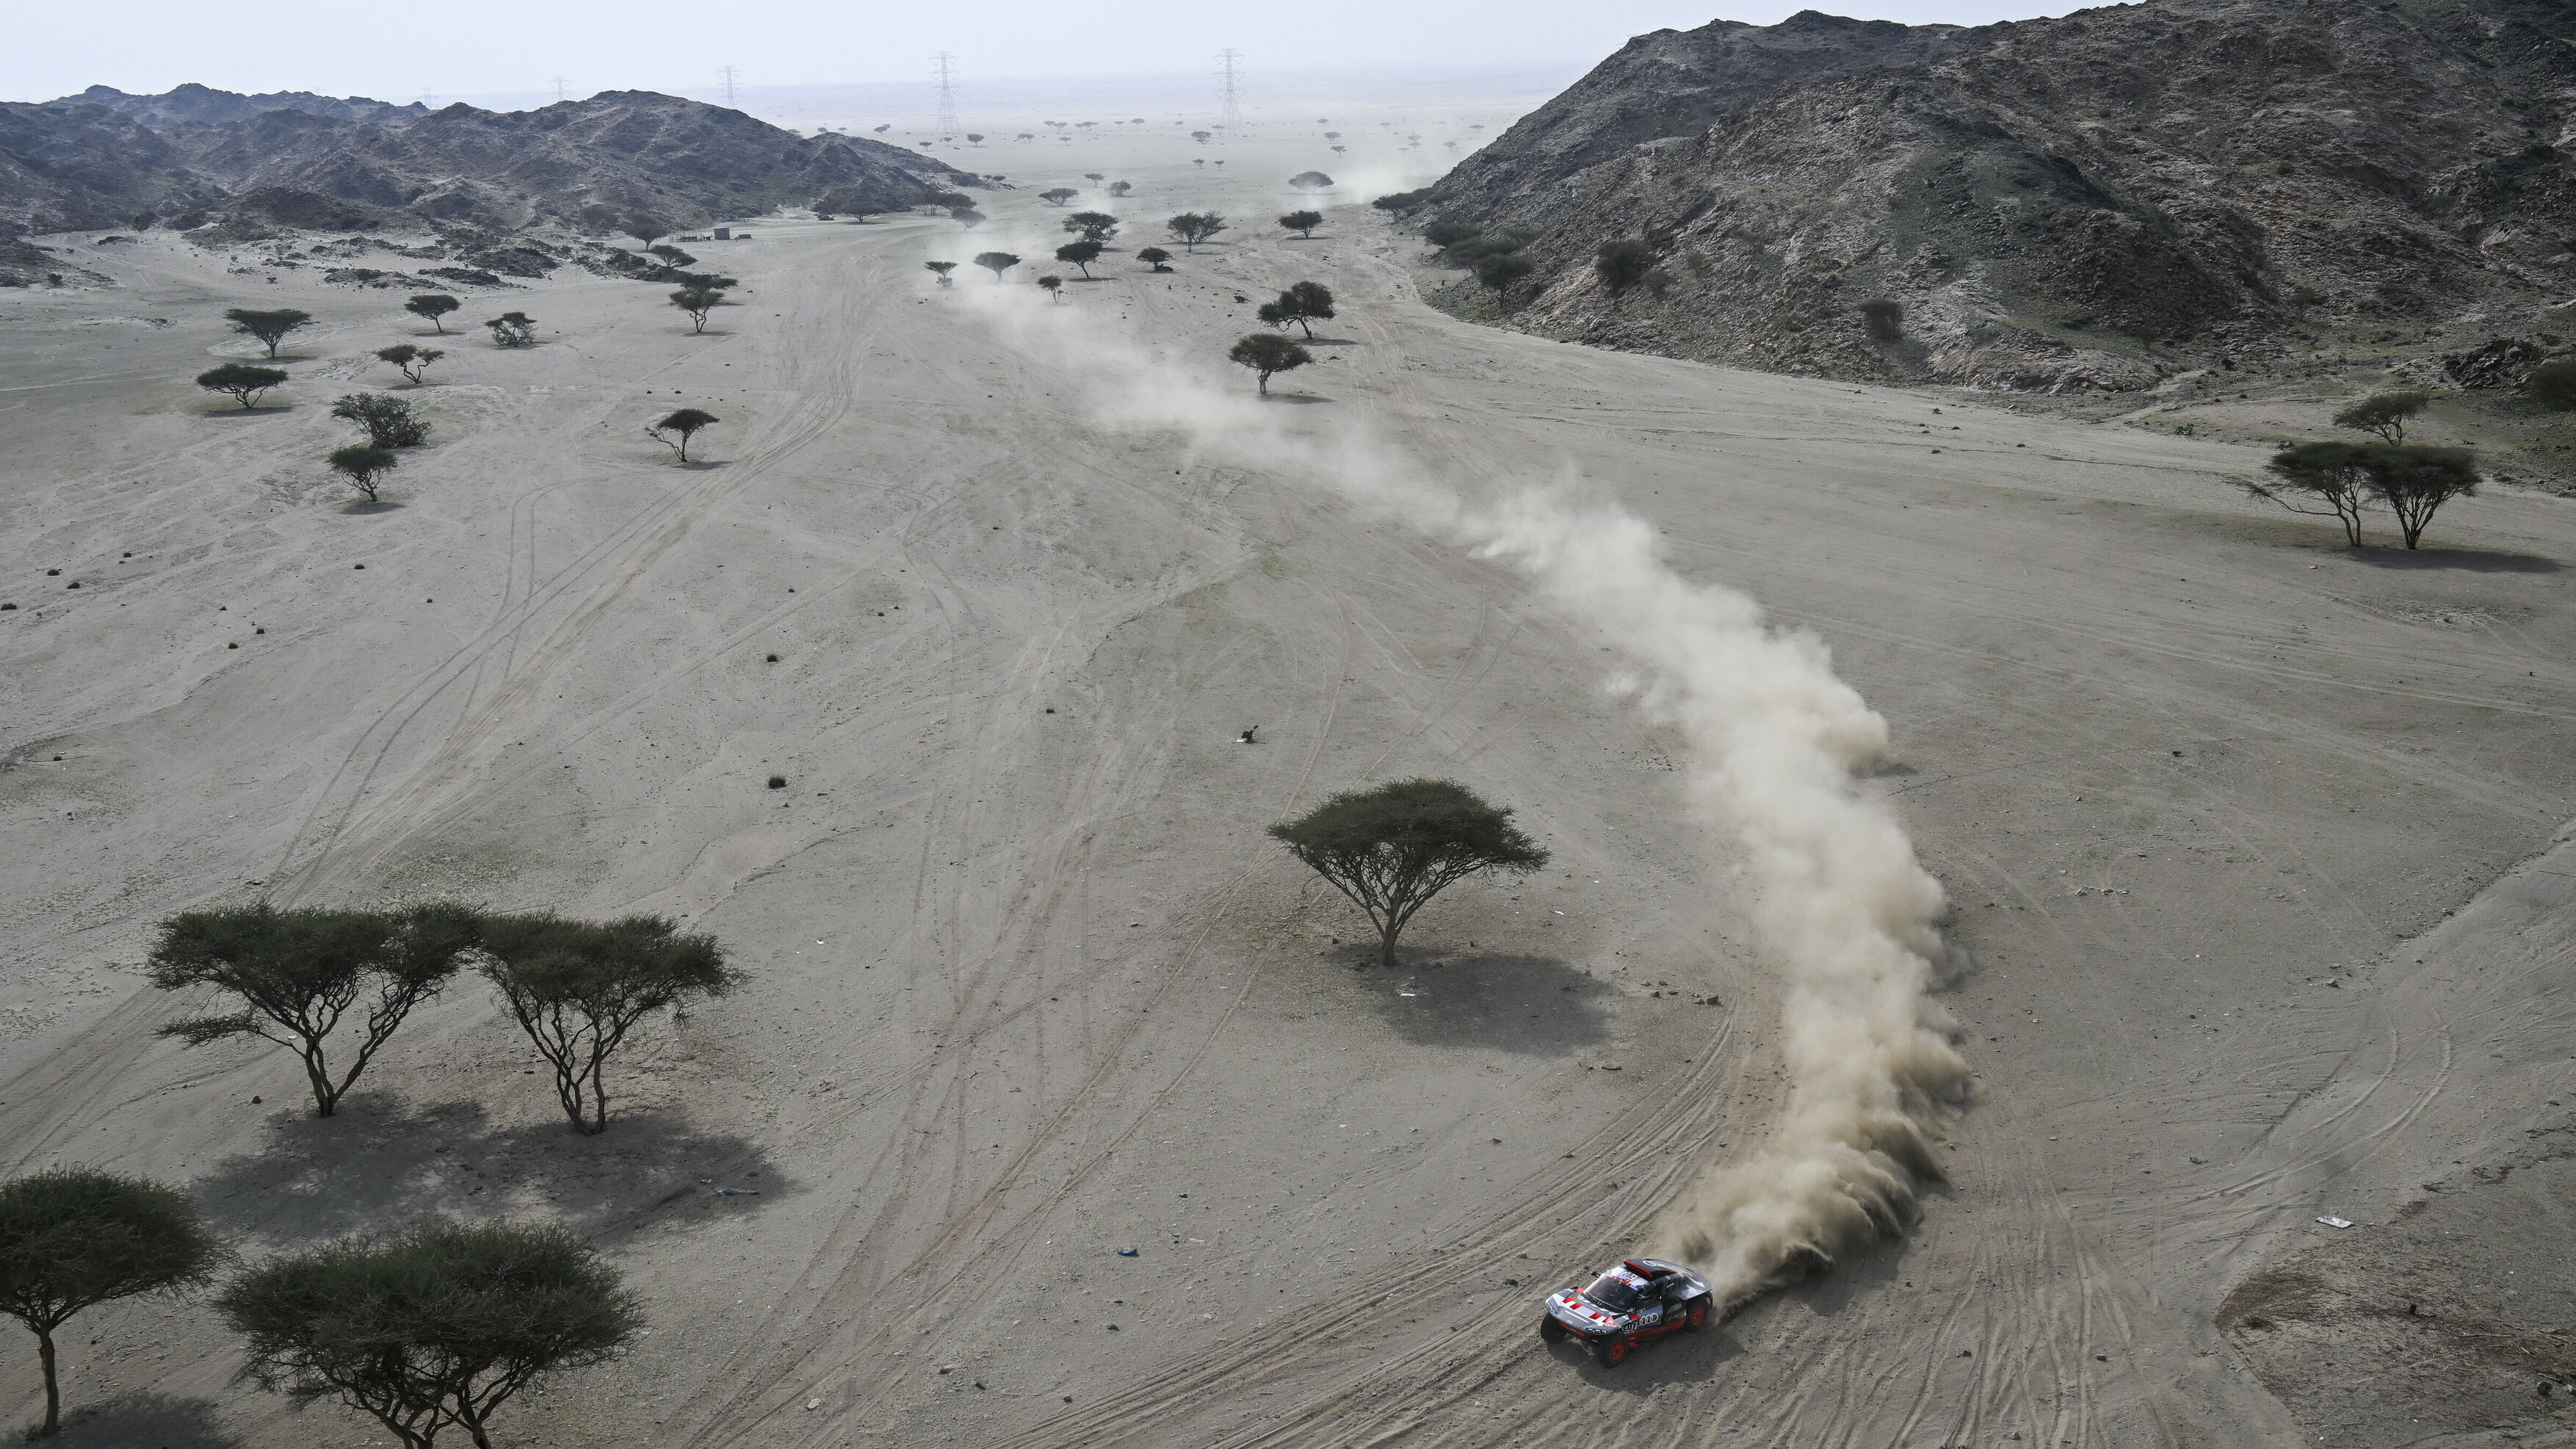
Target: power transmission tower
947, 92
559, 88
1228, 69
427, 99
728, 75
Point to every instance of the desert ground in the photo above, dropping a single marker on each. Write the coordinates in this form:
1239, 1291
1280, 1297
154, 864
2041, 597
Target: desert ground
2258, 850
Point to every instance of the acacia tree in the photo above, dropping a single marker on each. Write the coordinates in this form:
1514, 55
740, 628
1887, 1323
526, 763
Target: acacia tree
1311, 181
1053, 286
437, 1326
1393, 848
1305, 303
75, 1237
388, 420
1193, 227
271, 326
697, 302
1155, 257
967, 217
432, 306
1302, 222
412, 361
685, 422
1267, 353
298, 974
672, 259
646, 228
578, 988
243, 382
2384, 413
1081, 254
1092, 226
2323, 480
1121, 188
363, 464
2415, 481
996, 262
1499, 270
1058, 195
941, 270
513, 329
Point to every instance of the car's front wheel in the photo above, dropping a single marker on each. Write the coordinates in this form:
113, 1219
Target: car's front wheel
1699, 1312
1612, 1351
1550, 1330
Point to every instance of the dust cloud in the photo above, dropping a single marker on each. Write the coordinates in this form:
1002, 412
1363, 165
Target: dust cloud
1840, 904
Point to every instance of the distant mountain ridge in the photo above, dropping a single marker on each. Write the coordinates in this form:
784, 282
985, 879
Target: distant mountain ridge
2085, 202
193, 104
326, 163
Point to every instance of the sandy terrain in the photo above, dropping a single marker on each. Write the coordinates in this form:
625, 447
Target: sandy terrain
2251, 841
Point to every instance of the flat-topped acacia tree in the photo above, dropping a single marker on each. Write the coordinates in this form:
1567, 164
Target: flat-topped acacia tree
697, 302
432, 306
941, 270
1393, 848
1081, 254
513, 329
74, 1237
413, 361
1193, 227
1302, 222
1155, 257
440, 1324
364, 464
579, 988
241, 381
996, 262
1094, 226
269, 326
685, 423
1268, 354
1058, 195
297, 976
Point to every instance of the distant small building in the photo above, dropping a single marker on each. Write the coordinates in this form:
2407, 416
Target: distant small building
724, 233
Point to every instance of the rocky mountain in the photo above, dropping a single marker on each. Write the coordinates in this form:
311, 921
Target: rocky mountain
2085, 202
78, 164
194, 104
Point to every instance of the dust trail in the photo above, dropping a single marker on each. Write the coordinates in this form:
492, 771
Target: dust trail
1841, 906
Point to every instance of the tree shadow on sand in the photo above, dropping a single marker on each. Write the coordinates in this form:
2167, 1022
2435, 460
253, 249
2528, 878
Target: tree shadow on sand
369, 505
382, 1162
1533, 1004
1294, 397
2472, 560
145, 1421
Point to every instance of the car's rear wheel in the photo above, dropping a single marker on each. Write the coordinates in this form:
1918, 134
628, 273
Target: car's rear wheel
1551, 1330
1699, 1312
1612, 1351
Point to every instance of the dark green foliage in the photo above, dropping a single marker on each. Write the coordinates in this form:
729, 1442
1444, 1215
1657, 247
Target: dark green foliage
996, 262
2553, 384
1053, 286
1304, 303
1267, 353
271, 326
437, 1326
2322, 479
1446, 234
388, 420
432, 306
1155, 257
1121, 188
684, 422
671, 258
1081, 254
1499, 270
1885, 319
941, 271
1401, 200
966, 216
1482, 245
1623, 263
2415, 481
1058, 195
1302, 222
2384, 413
1311, 181
1193, 227
579, 988
698, 302
243, 381
708, 280
646, 228
513, 329
296, 975
363, 464
1393, 848
74, 1237
413, 361
1092, 226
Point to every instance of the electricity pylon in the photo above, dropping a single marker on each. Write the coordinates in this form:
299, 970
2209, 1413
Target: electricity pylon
1230, 112
947, 92
728, 75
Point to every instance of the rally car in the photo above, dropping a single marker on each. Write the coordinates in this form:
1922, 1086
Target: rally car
1640, 1299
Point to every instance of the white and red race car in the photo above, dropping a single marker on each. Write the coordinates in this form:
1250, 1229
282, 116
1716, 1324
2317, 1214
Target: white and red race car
1640, 1299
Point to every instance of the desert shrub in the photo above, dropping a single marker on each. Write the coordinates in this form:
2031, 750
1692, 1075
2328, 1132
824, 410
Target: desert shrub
1401, 200
1884, 317
1623, 262
388, 421
1449, 233
2553, 384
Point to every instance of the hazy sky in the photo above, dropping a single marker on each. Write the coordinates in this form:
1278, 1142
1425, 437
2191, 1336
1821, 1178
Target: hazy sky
466, 48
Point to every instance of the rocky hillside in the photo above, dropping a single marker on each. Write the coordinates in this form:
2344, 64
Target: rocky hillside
194, 104
77, 164
2086, 202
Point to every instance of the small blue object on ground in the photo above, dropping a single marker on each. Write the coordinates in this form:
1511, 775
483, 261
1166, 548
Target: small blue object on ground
1126, 1252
